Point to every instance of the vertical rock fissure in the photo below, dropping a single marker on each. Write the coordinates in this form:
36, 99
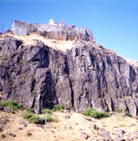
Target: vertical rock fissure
72, 93
33, 103
48, 94
67, 71
112, 105
132, 74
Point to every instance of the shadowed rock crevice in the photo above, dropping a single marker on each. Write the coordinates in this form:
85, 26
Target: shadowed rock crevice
42, 57
66, 68
92, 58
48, 94
132, 74
33, 84
72, 94
67, 71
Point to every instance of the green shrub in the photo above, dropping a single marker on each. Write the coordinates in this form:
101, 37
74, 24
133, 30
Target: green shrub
6, 103
88, 111
11, 104
47, 111
19, 106
95, 114
118, 110
27, 115
50, 119
34, 119
127, 114
57, 107
31, 117
29, 110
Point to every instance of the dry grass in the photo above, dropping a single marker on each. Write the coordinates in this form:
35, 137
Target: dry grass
64, 129
32, 40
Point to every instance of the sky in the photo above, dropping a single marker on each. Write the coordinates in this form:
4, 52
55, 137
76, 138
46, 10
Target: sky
114, 23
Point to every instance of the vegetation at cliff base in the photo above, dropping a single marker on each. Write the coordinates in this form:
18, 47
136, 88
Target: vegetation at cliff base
118, 110
29, 110
50, 111
49, 118
127, 114
47, 111
95, 114
11, 104
33, 118
30, 116
57, 107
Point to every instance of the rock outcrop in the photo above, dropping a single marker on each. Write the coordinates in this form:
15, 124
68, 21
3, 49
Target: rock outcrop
87, 75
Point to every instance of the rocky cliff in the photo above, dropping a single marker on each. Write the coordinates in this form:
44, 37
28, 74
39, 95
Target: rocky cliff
87, 75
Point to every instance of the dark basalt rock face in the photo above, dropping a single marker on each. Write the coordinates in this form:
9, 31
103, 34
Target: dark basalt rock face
85, 76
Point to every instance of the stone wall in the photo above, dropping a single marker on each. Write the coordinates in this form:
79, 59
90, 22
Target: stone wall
54, 31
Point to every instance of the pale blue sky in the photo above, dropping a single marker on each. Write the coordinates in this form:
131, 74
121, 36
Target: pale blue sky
114, 23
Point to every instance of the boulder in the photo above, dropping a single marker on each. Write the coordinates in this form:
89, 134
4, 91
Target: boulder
1, 108
29, 133
3, 136
95, 127
12, 135
67, 117
20, 128
84, 135
24, 123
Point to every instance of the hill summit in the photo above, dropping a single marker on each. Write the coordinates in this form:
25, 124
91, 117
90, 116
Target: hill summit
53, 30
